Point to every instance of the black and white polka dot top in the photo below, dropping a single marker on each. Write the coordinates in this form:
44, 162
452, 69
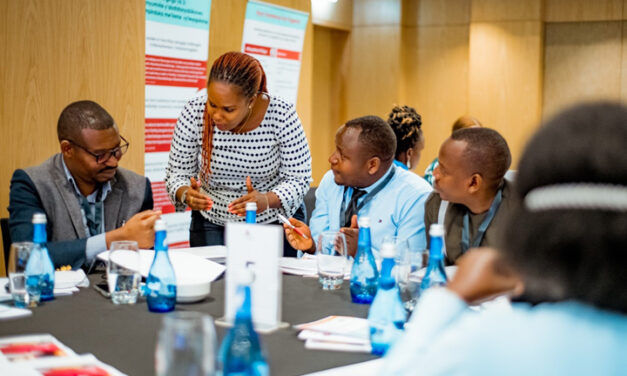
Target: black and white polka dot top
275, 155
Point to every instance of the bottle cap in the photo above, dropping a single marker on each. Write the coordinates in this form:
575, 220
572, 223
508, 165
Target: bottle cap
388, 250
39, 218
251, 206
160, 225
436, 229
363, 221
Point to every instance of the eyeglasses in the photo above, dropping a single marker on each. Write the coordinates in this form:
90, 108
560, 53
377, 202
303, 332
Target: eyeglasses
106, 155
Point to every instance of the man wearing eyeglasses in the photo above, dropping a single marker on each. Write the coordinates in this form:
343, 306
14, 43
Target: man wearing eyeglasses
88, 200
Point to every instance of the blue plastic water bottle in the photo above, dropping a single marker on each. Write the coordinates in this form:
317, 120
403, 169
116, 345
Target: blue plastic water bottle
387, 315
251, 212
39, 268
364, 274
240, 353
161, 280
435, 274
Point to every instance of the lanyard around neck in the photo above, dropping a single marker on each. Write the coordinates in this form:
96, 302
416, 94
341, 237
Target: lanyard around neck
367, 198
465, 244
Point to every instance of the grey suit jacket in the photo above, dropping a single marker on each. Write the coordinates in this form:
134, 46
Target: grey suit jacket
45, 188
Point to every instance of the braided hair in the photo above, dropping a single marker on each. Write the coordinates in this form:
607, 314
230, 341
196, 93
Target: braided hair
406, 124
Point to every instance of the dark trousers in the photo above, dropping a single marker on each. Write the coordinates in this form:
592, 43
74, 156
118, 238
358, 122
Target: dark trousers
203, 233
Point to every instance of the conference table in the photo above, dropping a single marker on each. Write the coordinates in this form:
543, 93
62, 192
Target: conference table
125, 336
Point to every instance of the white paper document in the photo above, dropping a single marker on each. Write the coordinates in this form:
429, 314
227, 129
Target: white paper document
339, 325
7, 312
187, 267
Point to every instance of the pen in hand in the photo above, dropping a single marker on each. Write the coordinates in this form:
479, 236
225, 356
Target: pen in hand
287, 222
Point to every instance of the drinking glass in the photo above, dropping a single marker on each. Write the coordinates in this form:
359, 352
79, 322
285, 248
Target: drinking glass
332, 259
123, 272
186, 345
24, 294
408, 262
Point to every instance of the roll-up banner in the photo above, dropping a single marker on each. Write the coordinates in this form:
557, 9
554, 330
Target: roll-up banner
274, 35
177, 47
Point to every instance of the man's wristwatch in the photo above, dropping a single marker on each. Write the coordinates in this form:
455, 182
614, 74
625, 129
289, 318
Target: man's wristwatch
184, 196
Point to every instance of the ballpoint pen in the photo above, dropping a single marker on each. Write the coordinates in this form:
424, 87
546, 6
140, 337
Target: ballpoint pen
287, 222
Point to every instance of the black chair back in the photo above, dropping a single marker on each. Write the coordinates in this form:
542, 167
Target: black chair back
6, 240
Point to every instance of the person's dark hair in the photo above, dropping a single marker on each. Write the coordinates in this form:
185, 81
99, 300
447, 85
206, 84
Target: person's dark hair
466, 122
376, 136
406, 124
241, 70
81, 115
237, 69
486, 153
578, 254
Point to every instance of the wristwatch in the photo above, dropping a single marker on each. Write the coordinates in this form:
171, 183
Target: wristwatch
184, 196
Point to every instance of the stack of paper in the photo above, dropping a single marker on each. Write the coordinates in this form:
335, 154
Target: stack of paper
42, 354
336, 333
8, 312
307, 266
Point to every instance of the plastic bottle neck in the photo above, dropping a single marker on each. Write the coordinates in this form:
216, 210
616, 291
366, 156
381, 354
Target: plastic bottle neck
160, 245
363, 241
386, 280
435, 253
244, 311
39, 233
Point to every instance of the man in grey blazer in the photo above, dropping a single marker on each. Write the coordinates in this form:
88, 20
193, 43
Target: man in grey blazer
88, 200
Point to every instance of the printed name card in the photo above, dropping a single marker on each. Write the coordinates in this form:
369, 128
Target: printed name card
258, 248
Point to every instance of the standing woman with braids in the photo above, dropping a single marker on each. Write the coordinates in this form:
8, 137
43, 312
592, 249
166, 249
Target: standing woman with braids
410, 141
234, 145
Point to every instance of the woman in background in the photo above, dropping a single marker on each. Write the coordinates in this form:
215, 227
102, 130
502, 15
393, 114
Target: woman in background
564, 246
461, 123
410, 141
234, 145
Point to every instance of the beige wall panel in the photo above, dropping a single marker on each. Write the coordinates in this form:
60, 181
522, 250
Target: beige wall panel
376, 12
435, 12
582, 62
583, 10
373, 78
57, 52
338, 15
505, 86
328, 95
436, 81
506, 10
623, 76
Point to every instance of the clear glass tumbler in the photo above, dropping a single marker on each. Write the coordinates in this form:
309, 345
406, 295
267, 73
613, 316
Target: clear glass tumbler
332, 259
23, 293
123, 272
186, 345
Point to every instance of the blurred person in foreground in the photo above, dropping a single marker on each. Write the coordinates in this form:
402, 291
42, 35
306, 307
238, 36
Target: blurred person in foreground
563, 246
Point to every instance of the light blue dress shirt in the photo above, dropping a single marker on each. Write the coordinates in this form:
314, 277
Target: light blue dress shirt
400, 164
396, 210
97, 243
444, 337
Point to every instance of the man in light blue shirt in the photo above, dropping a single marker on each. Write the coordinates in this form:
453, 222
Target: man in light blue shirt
363, 181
